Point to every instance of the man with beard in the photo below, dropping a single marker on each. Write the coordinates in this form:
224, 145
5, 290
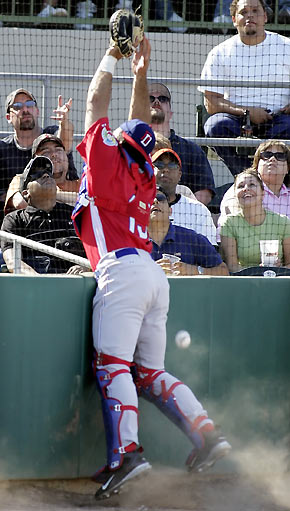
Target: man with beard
15, 150
196, 170
253, 54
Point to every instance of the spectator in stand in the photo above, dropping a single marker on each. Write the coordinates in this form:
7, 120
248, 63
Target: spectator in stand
197, 255
196, 170
189, 213
15, 149
222, 13
50, 8
175, 21
52, 147
43, 220
272, 162
241, 233
161, 142
86, 9
254, 54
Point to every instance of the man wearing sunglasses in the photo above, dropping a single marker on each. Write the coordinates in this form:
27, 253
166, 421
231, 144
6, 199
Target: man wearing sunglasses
186, 212
196, 170
15, 150
43, 220
196, 253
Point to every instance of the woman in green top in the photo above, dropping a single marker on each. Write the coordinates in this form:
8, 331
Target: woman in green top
241, 233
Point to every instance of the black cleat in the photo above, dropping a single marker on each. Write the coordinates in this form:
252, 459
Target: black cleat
133, 465
215, 447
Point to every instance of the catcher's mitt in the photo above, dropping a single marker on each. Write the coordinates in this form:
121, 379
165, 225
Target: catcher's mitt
127, 31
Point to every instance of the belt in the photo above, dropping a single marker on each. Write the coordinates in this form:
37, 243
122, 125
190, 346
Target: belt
125, 251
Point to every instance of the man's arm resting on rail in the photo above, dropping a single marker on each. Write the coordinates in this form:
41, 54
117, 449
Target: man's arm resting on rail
216, 103
9, 260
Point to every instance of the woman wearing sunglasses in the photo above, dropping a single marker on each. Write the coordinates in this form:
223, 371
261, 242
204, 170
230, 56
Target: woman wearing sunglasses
272, 162
241, 233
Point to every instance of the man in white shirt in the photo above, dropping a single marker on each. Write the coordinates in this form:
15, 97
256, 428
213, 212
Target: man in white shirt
254, 54
186, 212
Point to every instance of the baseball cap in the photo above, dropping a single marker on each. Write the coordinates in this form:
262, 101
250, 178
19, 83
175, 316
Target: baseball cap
45, 137
160, 189
139, 135
35, 168
11, 97
165, 150
162, 88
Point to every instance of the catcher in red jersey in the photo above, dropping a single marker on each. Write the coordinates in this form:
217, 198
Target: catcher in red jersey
132, 296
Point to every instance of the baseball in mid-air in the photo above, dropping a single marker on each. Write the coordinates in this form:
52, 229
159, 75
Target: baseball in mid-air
182, 339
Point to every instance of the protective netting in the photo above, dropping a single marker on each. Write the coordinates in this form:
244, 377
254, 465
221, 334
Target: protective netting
53, 48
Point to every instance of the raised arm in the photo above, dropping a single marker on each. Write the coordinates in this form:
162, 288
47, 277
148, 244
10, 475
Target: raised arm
100, 89
140, 105
66, 127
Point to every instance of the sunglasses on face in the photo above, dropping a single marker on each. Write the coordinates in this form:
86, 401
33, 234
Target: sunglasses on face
39, 173
161, 99
18, 105
266, 155
161, 197
172, 165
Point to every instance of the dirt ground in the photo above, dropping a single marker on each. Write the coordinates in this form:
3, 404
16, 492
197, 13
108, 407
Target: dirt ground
259, 482
160, 490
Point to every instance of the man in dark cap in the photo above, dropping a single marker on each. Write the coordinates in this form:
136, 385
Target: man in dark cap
132, 297
52, 147
15, 150
43, 220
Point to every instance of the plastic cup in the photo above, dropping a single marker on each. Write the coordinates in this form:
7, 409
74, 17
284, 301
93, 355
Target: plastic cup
172, 259
269, 252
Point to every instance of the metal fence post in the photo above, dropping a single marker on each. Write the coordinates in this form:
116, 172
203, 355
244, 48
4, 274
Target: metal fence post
16, 257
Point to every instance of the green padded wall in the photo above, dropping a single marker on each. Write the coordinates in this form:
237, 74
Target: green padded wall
238, 364
45, 327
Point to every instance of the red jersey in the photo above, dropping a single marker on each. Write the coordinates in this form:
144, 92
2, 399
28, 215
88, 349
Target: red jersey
115, 198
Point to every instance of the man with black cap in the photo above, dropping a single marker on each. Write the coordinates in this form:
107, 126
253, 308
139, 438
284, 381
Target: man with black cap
132, 298
42, 220
15, 150
52, 147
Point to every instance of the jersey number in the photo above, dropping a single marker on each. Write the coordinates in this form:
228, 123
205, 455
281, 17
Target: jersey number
133, 227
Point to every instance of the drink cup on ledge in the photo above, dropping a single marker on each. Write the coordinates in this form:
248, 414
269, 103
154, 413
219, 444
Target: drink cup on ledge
269, 252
